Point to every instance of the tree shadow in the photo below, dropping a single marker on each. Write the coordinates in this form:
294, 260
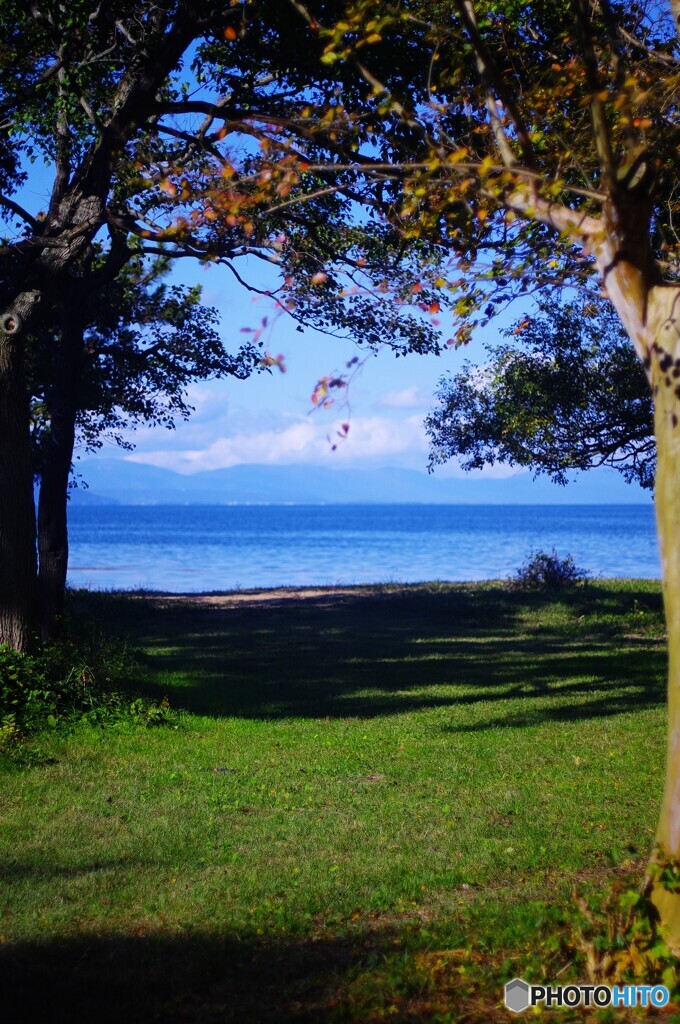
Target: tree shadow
366, 654
141, 978
41, 869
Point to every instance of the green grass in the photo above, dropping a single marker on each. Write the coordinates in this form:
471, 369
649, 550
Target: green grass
357, 782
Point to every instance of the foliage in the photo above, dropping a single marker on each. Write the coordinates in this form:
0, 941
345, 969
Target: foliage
83, 676
548, 571
26, 700
205, 159
530, 140
565, 392
361, 179
620, 939
142, 343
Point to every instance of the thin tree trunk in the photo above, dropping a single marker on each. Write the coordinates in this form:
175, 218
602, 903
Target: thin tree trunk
53, 521
664, 322
62, 402
17, 506
651, 315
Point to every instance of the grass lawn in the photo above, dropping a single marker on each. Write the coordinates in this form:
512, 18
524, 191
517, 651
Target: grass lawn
374, 805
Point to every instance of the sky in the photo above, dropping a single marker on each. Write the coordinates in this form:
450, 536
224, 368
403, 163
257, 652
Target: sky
269, 419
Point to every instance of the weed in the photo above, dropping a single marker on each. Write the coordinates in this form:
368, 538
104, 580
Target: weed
548, 571
84, 677
621, 940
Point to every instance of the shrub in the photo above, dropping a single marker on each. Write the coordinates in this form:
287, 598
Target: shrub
86, 675
548, 571
26, 699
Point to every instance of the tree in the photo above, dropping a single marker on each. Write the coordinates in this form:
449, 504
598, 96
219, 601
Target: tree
112, 361
539, 141
50, 58
167, 136
565, 392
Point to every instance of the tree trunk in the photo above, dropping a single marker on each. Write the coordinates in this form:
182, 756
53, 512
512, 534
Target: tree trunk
62, 403
651, 315
664, 358
17, 506
53, 522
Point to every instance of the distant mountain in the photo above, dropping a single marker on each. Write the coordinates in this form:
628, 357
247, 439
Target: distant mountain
116, 481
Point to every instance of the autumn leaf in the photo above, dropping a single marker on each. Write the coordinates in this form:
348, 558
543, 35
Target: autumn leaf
320, 391
522, 325
269, 360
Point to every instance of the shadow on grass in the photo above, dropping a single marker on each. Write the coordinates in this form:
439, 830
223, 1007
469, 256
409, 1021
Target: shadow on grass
367, 654
144, 978
43, 869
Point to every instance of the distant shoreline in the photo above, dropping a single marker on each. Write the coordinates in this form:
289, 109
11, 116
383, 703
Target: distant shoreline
101, 504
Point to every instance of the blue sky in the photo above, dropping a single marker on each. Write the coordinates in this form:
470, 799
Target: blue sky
270, 419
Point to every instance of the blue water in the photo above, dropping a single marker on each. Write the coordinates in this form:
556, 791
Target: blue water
225, 547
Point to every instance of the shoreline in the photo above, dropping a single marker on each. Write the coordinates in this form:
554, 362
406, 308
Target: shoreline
315, 594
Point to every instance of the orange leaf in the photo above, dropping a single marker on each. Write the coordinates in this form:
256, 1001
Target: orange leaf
320, 391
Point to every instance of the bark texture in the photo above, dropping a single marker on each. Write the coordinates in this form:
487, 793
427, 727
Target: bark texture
664, 368
56, 467
17, 507
53, 522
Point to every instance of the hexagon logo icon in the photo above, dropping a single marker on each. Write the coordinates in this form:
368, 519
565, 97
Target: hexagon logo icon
517, 995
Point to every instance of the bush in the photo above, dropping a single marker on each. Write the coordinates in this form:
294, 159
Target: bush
547, 571
86, 676
26, 700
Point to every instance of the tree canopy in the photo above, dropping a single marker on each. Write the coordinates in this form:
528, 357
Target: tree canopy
144, 341
564, 392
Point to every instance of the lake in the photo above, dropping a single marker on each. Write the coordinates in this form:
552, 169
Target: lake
198, 548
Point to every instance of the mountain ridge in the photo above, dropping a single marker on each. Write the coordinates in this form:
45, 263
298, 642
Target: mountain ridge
121, 482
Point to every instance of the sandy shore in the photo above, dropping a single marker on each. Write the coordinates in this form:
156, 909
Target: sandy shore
274, 596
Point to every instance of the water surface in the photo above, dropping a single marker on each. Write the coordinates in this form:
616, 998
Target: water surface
197, 548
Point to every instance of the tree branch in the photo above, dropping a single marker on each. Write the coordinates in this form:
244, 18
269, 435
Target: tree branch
29, 90
663, 58
19, 211
584, 228
600, 126
494, 85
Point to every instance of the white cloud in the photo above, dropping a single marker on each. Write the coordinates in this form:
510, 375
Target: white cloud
309, 440
408, 398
